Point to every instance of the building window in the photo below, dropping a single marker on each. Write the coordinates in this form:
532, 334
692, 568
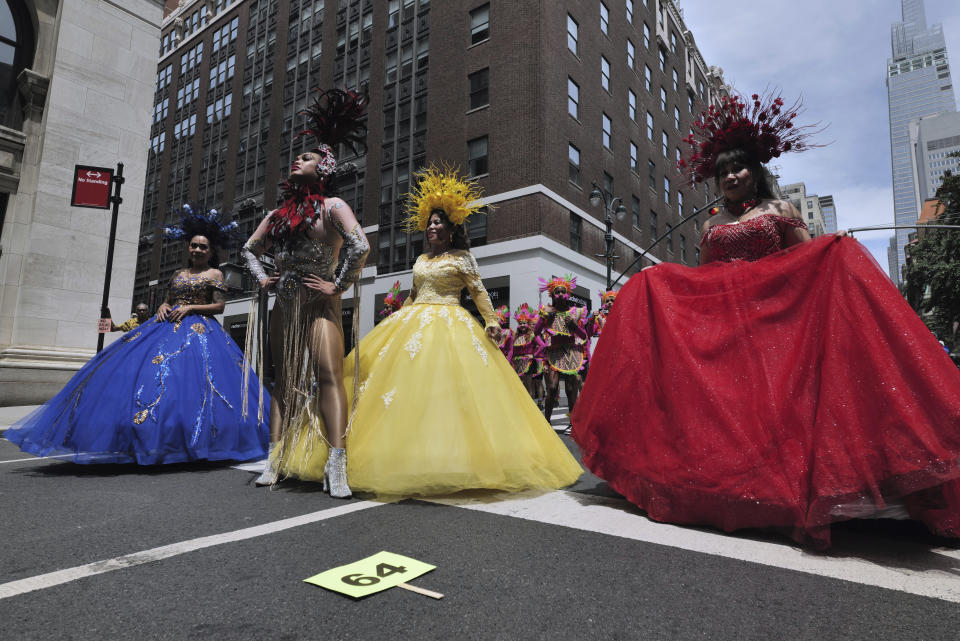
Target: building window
604, 73
479, 88
631, 104
646, 35
653, 224
666, 145
634, 157
666, 190
673, 41
650, 126
480, 24
663, 60
669, 231
477, 156
683, 248
573, 98
607, 127
652, 175
663, 100
631, 53
648, 78
608, 186
573, 31
604, 19
636, 212
573, 155
576, 231
690, 102
676, 118
630, 11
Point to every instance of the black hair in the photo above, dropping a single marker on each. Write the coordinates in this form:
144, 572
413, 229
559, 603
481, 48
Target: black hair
460, 239
739, 156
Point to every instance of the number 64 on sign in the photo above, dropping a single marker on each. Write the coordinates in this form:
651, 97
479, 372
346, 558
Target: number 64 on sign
372, 574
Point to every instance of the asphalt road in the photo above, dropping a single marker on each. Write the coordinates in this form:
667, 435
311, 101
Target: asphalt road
577, 564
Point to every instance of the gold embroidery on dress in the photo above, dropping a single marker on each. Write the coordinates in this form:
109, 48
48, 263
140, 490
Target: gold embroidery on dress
198, 328
140, 416
129, 337
157, 359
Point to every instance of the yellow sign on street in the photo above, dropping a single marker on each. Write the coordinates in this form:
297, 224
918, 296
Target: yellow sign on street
373, 574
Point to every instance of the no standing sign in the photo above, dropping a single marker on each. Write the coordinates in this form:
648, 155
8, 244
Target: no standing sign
91, 187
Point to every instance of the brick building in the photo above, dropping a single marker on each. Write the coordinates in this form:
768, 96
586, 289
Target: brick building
536, 100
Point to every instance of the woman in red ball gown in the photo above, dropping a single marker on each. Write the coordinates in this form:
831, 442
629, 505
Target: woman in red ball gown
783, 384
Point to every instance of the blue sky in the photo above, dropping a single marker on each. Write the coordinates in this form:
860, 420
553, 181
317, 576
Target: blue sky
833, 53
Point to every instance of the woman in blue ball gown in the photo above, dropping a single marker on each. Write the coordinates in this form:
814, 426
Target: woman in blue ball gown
168, 391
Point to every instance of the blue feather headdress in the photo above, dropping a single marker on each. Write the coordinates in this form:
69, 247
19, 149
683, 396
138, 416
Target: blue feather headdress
194, 222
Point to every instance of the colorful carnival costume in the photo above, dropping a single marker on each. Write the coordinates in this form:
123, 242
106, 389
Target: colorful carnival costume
307, 236
165, 392
440, 410
598, 318
562, 329
526, 348
505, 344
784, 388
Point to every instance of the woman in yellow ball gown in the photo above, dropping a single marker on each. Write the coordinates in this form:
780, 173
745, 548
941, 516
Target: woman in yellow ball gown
438, 408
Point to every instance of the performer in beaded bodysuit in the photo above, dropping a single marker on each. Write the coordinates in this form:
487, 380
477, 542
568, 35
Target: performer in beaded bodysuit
561, 326
307, 233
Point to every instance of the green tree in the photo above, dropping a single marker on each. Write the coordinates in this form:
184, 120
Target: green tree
932, 274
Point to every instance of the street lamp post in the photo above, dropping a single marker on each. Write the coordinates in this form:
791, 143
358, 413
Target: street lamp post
612, 206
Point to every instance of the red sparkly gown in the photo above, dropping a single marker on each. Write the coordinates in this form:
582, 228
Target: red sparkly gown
772, 388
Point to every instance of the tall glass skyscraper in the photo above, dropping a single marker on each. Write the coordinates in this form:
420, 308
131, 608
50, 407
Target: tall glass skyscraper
918, 84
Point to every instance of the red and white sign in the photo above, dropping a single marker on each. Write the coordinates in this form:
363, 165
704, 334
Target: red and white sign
103, 325
91, 187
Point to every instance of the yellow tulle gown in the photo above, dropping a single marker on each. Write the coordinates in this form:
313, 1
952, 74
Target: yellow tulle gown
440, 409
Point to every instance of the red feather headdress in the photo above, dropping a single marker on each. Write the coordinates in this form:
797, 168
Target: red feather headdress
762, 127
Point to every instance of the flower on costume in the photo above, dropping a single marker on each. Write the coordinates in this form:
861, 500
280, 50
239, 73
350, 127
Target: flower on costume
762, 127
393, 300
441, 188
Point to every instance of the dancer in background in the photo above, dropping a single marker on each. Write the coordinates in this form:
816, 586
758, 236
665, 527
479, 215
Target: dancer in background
783, 384
168, 391
440, 410
505, 343
306, 234
599, 318
561, 328
525, 350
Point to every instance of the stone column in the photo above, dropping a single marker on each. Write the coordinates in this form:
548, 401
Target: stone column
88, 99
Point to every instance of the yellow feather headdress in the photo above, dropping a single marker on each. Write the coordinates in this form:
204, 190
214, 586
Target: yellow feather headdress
441, 188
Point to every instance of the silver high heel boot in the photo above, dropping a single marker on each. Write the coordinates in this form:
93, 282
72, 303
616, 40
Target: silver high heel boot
269, 476
335, 474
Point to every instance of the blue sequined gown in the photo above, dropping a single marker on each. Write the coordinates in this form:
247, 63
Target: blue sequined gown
164, 393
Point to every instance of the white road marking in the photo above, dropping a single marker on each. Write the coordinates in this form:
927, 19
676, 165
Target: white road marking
38, 458
51, 579
910, 568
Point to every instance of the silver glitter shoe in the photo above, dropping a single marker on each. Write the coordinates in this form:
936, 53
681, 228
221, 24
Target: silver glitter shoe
269, 476
335, 474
